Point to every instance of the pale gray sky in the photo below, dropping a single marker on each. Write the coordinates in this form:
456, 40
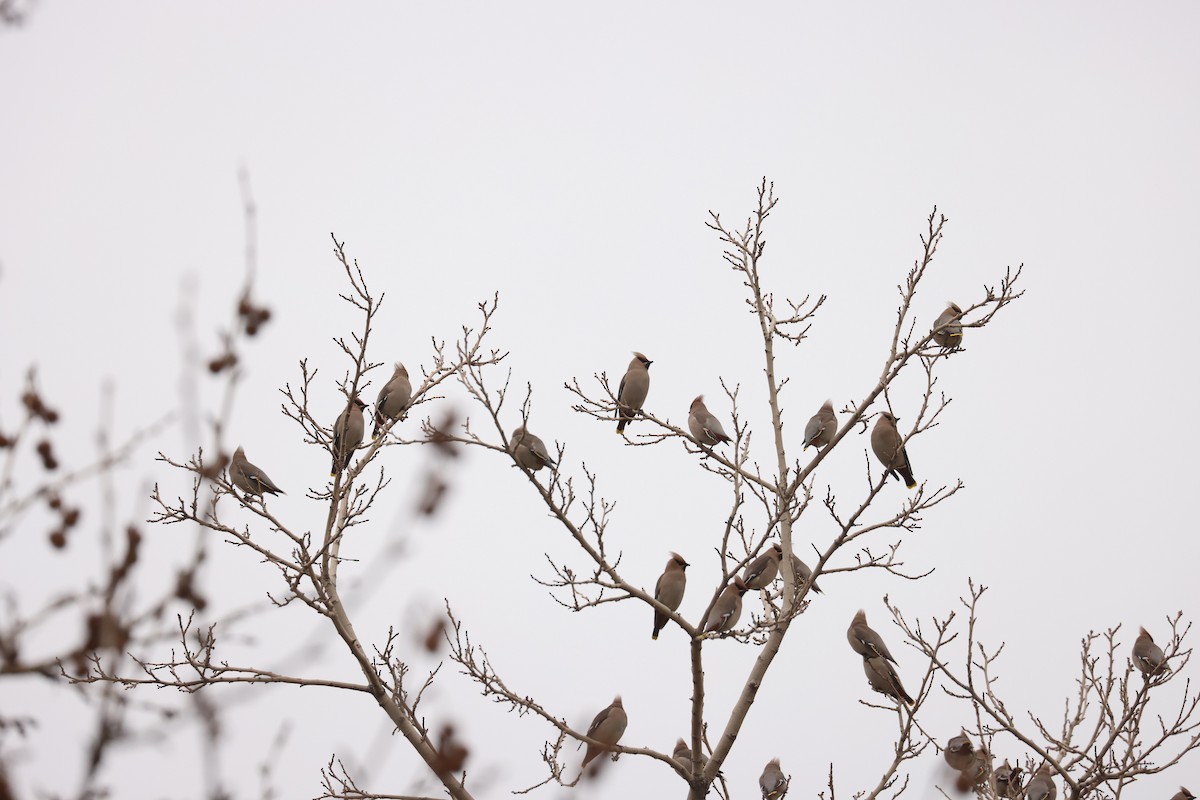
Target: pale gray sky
567, 156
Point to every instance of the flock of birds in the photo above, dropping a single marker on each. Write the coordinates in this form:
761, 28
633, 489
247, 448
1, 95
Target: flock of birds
530, 452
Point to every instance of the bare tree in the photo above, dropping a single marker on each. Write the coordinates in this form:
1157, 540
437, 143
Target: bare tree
1101, 748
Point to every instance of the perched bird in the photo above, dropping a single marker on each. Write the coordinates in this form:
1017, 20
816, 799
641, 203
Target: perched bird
683, 757
947, 330
976, 772
607, 729
528, 450
1041, 786
635, 385
249, 478
803, 573
347, 435
705, 427
728, 608
669, 590
820, 429
1007, 781
762, 570
883, 679
1183, 794
864, 640
394, 398
772, 781
1147, 656
959, 752
885, 441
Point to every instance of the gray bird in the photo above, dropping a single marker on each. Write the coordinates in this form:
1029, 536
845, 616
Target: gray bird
249, 478
762, 571
347, 435
885, 441
1041, 786
947, 330
820, 429
705, 427
728, 608
529, 451
1147, 656
1183, 794
883, 679
772, 781
607, 729
803, 573
864, 640
683, 757
631, 394
976, 772
669, 590
394, 398
1007, 781
959, 752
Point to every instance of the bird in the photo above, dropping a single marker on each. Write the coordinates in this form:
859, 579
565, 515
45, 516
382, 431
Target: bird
1183, 794
883, 679
607, 729
669, 590
864, 640
1041, 786
1147, 656
885, 441
1007, 780
772, 781
762, 571
728, 608
959, 752
631, 394
528, 450
249, 478
705, 427
803, 573
394, 398
976, 771
347, 435
820, 429
947, 330
683, 757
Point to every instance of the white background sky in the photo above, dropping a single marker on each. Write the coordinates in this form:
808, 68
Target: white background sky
567, 156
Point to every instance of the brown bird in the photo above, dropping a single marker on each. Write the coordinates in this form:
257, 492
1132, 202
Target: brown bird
607, 729
683, 757
976, 772
762, 571
1147, 656
631, 394
772, 781
883, 679
669, 590
528, 450
864, 640
705, 427
347, 435
820, 429
885, 441
1007, 781
249, 478
394, 398
803, 573
959, 752
947, 330
728, 608
1041, 786
1183, 794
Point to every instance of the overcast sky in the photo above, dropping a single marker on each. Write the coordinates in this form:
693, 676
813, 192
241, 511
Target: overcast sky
566, 156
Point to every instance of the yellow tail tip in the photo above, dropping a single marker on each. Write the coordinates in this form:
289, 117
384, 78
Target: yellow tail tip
654, 636
912, 485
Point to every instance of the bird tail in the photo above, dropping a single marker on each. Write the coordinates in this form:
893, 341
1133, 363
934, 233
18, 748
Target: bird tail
906, 473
